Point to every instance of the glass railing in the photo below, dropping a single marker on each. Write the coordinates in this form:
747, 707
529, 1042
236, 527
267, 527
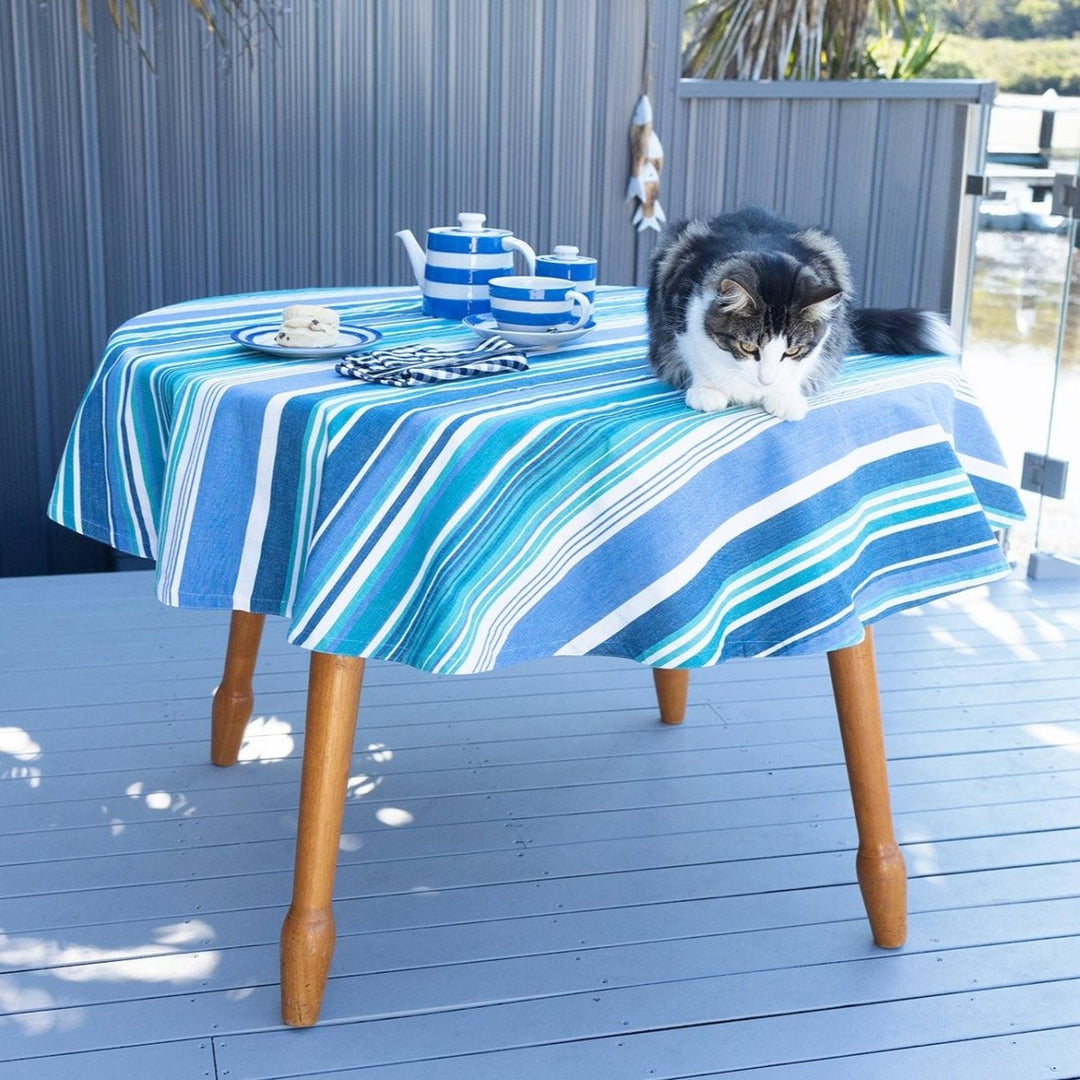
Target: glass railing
1022, 351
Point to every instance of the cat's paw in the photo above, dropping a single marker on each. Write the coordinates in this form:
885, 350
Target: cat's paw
786, 406
706, 399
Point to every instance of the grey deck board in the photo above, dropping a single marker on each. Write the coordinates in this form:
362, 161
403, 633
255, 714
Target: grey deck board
536, 878
190, 1059
1030, 1054
417, 970
439, 827
715, 1029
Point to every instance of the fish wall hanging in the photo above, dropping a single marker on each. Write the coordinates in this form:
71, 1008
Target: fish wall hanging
646, 164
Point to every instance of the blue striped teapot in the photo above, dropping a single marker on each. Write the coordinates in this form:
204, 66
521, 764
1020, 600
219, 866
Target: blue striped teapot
460, 261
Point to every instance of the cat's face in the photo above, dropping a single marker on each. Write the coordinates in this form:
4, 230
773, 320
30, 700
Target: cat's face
771, 322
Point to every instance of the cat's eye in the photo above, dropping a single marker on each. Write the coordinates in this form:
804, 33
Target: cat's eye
793, 351
746, 347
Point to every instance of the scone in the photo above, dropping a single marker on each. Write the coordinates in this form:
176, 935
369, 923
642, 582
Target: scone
309, 327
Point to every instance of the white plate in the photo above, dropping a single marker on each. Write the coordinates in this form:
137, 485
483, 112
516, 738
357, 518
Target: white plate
487, 327
350, 340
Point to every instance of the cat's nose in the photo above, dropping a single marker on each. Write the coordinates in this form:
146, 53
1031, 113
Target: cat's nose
768, 368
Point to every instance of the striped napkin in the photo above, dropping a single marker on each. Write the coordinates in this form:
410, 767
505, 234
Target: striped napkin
414, 365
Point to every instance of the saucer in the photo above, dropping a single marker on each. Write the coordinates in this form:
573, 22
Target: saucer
487, 327
350, 339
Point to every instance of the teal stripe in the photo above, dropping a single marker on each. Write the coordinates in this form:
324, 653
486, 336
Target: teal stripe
742, 595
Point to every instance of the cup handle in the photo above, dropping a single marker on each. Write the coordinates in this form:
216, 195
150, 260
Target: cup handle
581, 301
512, 243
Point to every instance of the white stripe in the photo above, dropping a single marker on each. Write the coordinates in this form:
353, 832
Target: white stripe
444, 290
985, 470
774, 504
905, 598
521, 587
535, 436
182, 474
181, 487
460, 260
809, 586
432, 475
849, 609
76, 478
259, 513
568, 367
935, 590
310, 491
373, 520
809, 554
539, 306
145, 506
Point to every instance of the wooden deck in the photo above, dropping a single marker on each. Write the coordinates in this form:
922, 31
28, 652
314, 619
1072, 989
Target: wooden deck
537, 880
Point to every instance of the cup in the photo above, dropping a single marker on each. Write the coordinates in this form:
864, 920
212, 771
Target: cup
537, 304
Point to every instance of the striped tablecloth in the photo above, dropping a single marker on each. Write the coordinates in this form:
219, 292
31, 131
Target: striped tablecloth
575, 508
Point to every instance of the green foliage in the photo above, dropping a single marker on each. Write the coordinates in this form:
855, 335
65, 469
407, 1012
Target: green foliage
1016, 19
919, 44
810, 39
774, 39
1024, 67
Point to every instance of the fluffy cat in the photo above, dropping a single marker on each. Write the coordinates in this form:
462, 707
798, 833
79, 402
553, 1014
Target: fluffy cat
749, 309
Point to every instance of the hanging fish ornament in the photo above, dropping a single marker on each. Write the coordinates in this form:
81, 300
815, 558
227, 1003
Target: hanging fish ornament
646, 162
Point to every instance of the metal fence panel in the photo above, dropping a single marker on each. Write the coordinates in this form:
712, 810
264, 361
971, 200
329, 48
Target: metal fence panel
879, 164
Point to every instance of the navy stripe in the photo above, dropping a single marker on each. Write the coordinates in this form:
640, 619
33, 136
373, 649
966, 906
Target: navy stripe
463, 243
451, 275
528, 319
442, 308
569, 271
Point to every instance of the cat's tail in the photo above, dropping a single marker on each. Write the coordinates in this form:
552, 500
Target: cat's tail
901, 332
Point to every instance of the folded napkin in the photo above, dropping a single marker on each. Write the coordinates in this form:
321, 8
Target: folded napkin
412, 365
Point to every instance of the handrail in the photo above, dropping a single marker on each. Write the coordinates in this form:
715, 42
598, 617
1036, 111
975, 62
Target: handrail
967, 91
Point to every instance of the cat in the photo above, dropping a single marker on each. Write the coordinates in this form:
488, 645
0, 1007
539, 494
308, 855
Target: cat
749, 309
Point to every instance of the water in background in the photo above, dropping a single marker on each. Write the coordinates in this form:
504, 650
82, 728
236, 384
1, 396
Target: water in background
1010, 353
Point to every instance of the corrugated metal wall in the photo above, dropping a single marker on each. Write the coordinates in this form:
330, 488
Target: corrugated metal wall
124, 188
880, 164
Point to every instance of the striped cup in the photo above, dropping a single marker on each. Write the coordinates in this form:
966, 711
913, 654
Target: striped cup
538, 304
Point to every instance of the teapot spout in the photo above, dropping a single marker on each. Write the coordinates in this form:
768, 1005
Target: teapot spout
415, 253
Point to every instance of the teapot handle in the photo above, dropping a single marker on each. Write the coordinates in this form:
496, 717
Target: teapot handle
512, 243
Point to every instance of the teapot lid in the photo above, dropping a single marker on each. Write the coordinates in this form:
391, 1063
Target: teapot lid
565, 251
470, 224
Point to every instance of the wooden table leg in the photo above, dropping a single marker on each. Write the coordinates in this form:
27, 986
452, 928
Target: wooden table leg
671, 688
233, 699
307, 936
879, 864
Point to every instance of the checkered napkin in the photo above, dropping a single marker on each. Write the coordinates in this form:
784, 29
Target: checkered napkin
413, 365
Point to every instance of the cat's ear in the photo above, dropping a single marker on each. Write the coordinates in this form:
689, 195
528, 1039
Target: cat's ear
733, 296
820, 303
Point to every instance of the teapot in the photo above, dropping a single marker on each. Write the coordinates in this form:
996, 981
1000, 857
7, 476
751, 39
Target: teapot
461, 259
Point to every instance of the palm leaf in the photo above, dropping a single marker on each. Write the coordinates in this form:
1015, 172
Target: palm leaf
803, 39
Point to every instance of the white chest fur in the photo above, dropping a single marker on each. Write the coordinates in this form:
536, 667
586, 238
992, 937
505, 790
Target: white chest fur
718, 379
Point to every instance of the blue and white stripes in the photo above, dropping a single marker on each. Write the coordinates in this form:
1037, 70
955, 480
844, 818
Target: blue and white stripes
459, 263
575, 508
